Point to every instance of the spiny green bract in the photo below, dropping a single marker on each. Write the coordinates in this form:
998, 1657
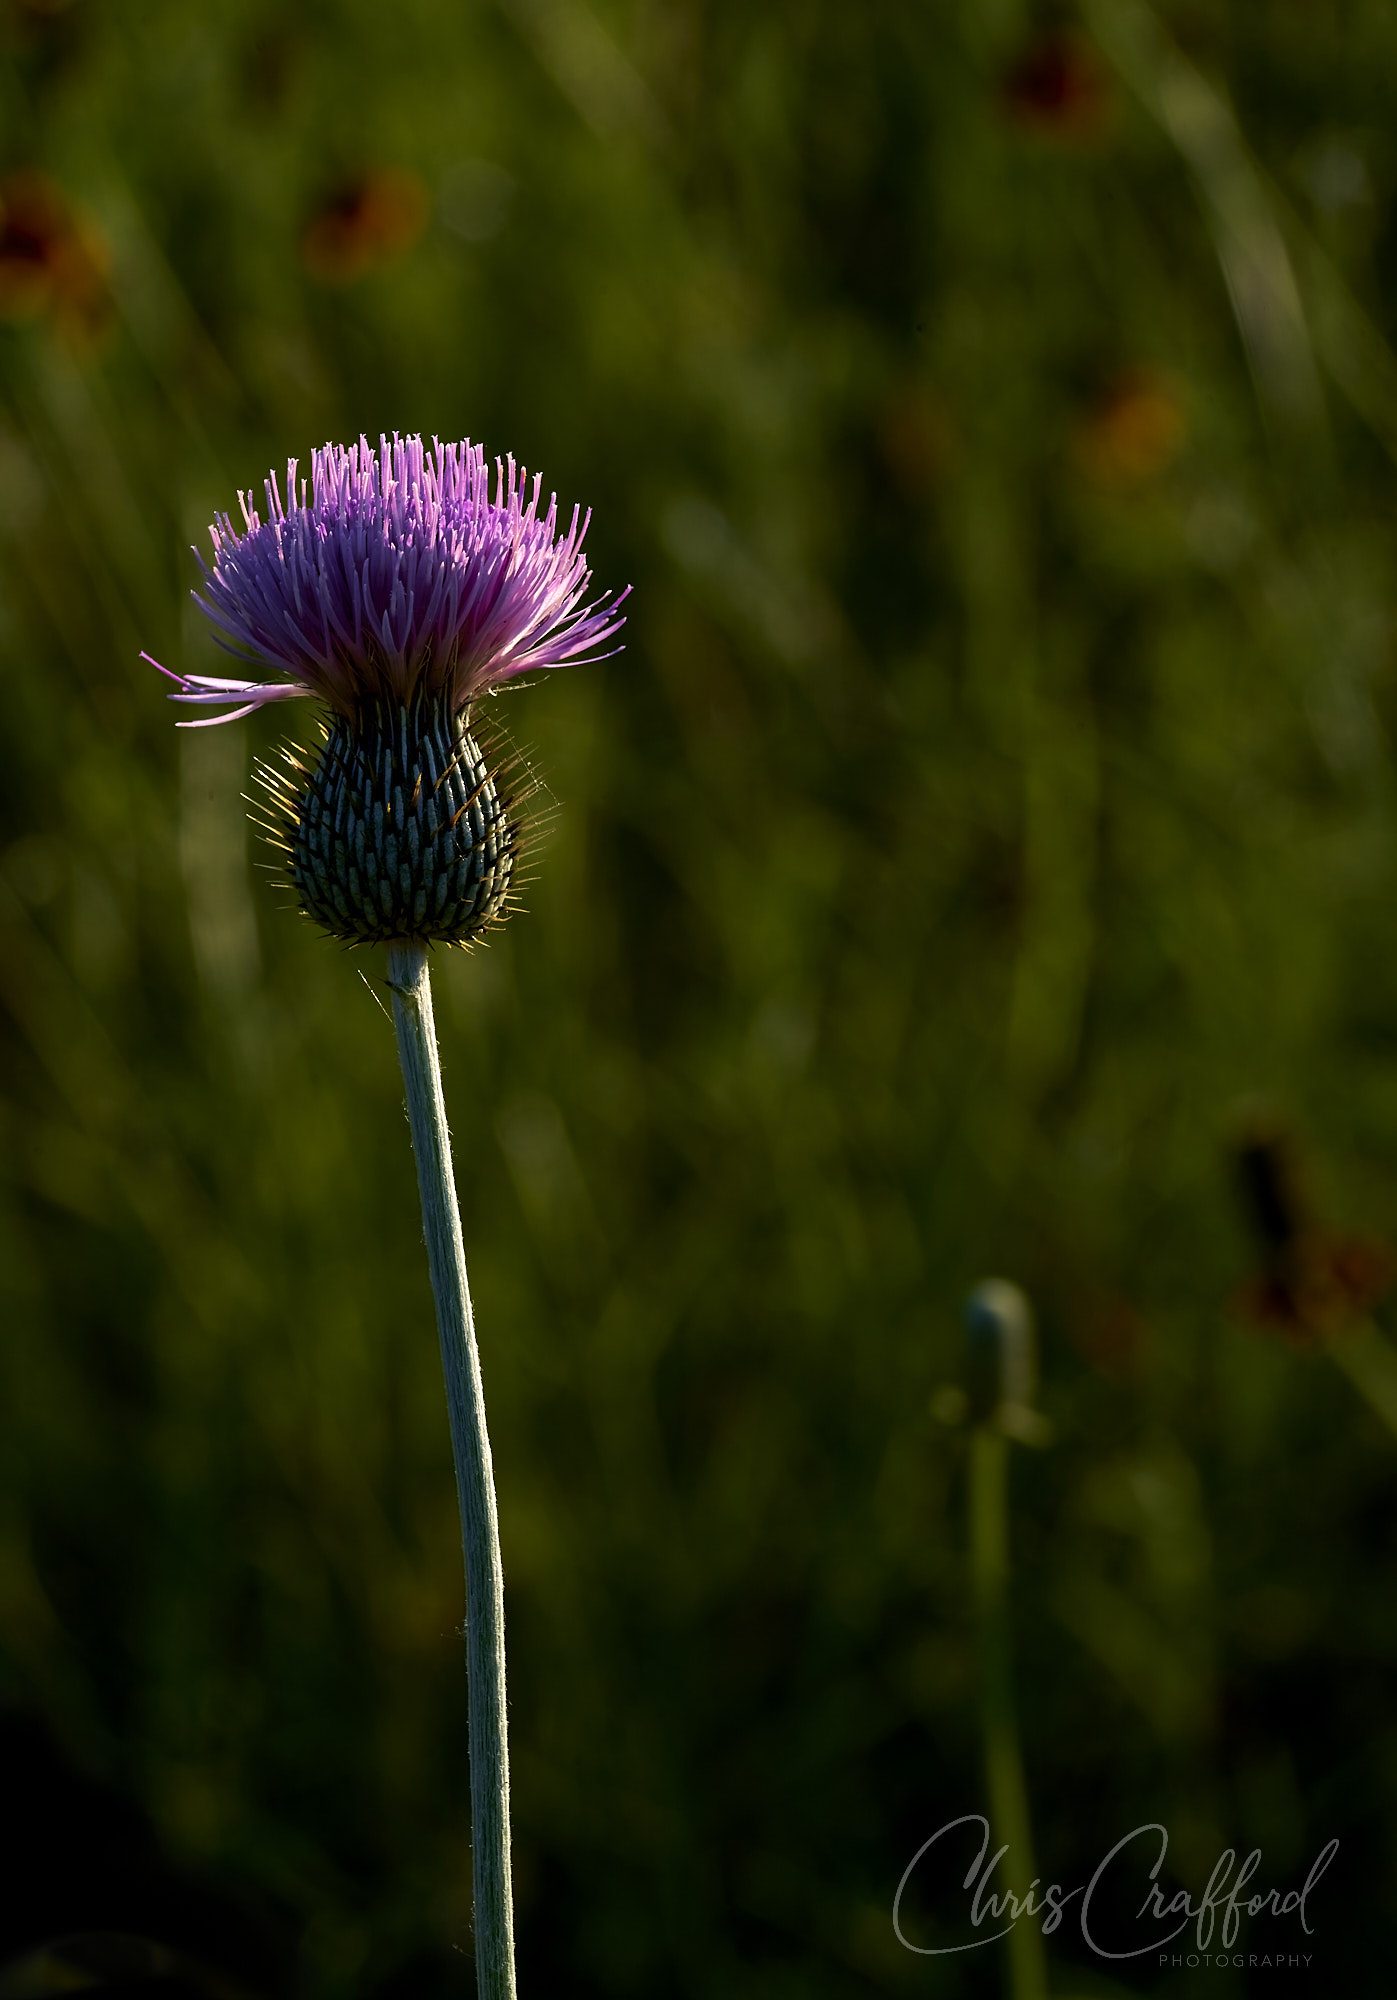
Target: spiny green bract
400, 828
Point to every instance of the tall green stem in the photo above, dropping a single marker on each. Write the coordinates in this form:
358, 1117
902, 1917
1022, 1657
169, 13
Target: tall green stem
410, 984
1008, 1795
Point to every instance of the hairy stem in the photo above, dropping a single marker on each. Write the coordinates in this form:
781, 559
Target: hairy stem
410, 984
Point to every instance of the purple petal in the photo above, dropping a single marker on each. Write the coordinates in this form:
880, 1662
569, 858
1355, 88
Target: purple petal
397, 567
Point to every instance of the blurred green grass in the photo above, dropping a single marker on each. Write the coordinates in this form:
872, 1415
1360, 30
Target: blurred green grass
994, 799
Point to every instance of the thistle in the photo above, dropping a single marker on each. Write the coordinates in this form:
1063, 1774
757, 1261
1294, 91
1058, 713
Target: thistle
397, 587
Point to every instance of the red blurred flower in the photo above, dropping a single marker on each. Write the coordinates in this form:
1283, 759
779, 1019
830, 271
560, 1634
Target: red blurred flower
1132, 431
1312, 1283
915, 437
1057, 87
53, 263
363, 224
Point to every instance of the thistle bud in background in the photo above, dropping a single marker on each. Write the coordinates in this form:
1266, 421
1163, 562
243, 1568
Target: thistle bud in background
1002, 1360
398, 586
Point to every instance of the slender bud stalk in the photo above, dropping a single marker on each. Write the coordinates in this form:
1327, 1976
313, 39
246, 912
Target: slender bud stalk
410, 984
1004, 1775
1000, 1328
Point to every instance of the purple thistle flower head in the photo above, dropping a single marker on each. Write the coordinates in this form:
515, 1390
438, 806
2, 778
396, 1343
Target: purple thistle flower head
397, 585
396, 573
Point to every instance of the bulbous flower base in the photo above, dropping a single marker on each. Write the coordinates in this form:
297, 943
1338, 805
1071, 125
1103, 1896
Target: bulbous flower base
399, 830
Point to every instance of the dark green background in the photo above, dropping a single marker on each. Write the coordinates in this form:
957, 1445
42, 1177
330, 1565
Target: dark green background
987, 810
